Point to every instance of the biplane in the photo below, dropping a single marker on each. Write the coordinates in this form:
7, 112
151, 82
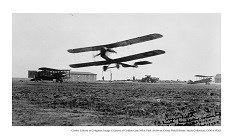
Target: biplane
201, 79
50, 74
108, 48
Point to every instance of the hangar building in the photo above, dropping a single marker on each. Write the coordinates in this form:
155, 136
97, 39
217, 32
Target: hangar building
217, 78
82, 76
32, 73
72, 76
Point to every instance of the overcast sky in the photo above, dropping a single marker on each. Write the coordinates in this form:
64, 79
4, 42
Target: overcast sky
191, 41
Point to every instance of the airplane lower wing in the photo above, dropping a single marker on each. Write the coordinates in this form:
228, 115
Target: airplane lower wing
202, 76
126, 65
117, 44
142, 63
119, 60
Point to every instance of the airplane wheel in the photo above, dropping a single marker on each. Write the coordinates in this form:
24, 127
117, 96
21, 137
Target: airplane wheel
105, 68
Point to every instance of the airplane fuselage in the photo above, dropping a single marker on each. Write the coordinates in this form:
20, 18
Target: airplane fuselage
103, 55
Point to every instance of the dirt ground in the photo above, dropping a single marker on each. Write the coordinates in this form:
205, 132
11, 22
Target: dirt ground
115, 104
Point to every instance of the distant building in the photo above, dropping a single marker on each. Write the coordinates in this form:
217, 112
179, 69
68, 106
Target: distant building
32, 73
72, 76
82, 76
217, 78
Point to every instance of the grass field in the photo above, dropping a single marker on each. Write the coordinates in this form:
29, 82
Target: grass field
115, 104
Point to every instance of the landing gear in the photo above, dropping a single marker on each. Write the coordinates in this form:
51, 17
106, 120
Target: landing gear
105, 68
59, 80
117, 66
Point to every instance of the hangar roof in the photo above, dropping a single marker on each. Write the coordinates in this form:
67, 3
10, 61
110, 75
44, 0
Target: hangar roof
82, 73
51, 69
218, 76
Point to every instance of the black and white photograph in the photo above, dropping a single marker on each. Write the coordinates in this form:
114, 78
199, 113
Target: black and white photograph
116, 69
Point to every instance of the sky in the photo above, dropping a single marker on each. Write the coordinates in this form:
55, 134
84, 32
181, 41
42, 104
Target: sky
192, 43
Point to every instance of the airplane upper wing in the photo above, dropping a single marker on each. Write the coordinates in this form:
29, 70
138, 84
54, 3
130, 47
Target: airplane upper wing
118, 60
117, 44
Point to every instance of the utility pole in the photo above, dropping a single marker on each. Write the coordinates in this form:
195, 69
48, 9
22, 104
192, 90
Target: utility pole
102, 76
110, 75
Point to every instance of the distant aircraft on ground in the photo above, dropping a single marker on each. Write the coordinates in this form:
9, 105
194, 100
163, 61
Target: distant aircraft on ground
202, 79
50, 74
148, 78
118, 61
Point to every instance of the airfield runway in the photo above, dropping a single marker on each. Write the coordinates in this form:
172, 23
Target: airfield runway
115, 104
